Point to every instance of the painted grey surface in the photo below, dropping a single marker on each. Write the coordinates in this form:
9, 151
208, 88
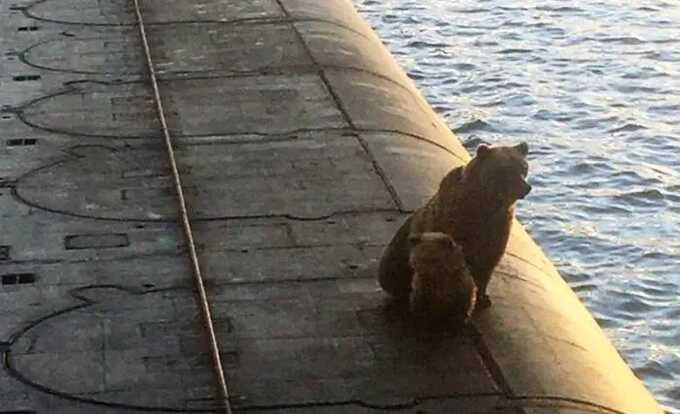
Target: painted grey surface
302, 147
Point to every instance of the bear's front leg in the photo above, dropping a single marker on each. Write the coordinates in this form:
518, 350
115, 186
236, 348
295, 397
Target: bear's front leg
481, 273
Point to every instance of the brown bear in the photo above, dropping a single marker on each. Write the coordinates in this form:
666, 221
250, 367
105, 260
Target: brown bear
442, 290
475, 205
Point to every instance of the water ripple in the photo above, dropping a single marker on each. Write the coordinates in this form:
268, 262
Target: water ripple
473, 125
629, 127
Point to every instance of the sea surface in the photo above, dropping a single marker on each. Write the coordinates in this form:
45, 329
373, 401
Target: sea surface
594, 88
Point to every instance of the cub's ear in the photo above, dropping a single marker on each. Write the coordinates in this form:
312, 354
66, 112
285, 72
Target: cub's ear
523, 148
414, 239
450, 243
483, 150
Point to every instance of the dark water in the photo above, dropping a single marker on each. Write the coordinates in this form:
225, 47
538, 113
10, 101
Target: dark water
594, 88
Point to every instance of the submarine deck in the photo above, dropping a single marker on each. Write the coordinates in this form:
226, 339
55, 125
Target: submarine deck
301, 147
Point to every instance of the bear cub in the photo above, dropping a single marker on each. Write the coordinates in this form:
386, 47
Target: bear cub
475, 205
442, 290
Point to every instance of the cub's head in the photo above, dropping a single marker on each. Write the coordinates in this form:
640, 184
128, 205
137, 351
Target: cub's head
500, 173
434, 250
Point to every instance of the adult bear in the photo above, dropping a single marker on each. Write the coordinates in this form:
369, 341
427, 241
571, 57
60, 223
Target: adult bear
475, 205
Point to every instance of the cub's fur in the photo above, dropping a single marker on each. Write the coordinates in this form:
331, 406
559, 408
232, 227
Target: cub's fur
475, 205
442, 289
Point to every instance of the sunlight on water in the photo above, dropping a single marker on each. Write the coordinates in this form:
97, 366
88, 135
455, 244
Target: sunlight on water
594, 88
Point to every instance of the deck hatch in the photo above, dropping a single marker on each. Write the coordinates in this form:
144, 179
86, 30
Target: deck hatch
96, 241
18, 278
25, 78
19, 412
21, 142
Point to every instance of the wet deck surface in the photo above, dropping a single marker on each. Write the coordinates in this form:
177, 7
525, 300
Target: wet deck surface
301, 149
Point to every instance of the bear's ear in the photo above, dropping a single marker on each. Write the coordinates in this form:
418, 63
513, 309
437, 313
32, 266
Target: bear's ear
414, 239
523, 148
483, 150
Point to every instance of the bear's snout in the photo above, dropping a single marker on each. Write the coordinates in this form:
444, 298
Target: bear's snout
526, 189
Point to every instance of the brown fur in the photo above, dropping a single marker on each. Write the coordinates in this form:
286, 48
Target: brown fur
475, 206
442, 290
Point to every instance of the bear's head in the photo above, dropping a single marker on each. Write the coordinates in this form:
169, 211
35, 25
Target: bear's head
434, 250
498, 174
